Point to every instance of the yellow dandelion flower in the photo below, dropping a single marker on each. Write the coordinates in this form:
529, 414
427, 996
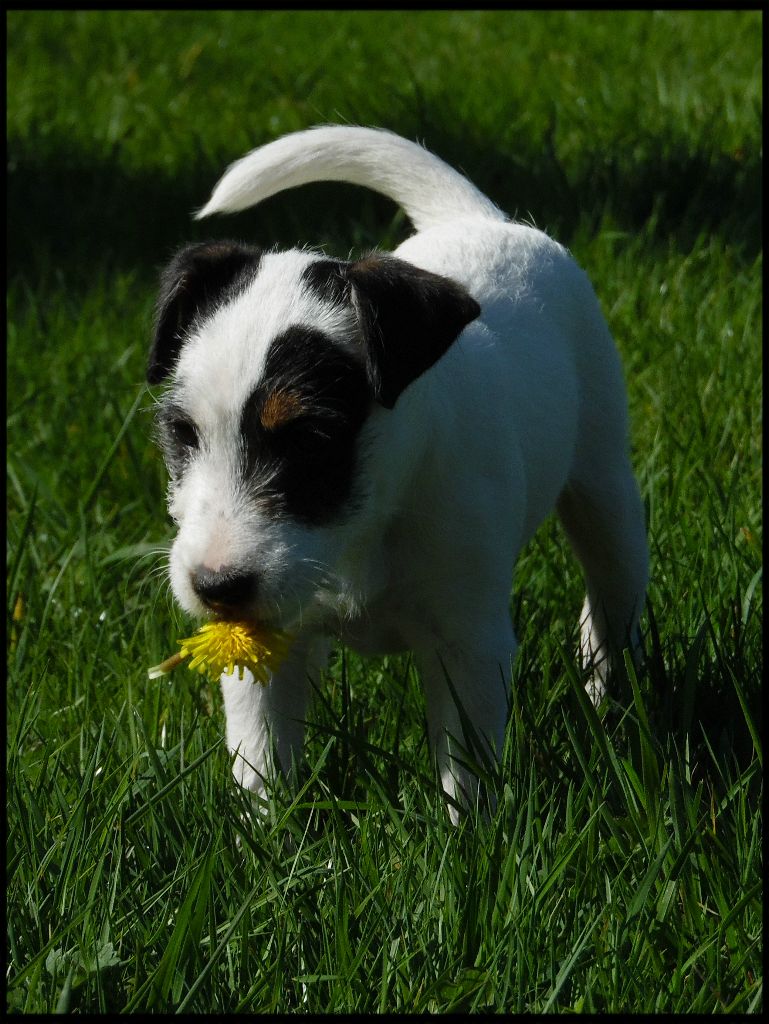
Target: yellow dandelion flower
220, 647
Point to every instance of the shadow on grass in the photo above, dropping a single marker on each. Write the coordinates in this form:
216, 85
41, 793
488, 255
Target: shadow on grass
88, 216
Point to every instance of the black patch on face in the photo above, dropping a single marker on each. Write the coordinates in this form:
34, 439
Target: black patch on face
304, 465
198, 277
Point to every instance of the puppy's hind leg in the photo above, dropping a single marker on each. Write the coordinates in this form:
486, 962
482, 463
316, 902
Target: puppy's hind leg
603, 517
467, 693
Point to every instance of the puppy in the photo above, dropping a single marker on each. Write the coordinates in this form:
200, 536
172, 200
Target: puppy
359, 450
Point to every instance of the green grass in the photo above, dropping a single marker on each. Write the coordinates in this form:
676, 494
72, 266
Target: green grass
622, 869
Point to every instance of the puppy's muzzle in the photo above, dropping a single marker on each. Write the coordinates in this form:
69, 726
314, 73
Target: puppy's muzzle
226, 591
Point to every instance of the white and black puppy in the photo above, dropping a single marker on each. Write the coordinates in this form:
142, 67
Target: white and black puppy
358, 450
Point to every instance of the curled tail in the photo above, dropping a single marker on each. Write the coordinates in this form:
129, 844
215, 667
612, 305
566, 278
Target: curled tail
428, 189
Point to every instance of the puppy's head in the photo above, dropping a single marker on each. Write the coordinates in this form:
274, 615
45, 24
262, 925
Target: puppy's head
283, 373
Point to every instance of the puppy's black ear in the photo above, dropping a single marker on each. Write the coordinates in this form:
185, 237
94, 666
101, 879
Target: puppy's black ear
409, 317
196, 277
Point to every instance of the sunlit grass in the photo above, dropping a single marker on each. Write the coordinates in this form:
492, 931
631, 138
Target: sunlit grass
621, 871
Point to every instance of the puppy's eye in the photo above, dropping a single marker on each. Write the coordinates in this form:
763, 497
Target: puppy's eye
184, 433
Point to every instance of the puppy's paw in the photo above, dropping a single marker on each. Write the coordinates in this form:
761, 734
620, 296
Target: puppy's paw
252, 772
596, 688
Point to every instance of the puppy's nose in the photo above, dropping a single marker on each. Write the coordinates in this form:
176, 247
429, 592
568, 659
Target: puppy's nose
223, 590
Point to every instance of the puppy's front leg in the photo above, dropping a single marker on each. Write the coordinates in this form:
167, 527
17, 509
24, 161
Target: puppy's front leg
266, 720
467, 694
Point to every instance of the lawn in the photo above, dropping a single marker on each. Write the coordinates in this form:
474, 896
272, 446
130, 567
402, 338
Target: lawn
622, 870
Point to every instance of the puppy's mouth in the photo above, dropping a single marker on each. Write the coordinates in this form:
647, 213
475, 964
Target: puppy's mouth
254, 618
245, 616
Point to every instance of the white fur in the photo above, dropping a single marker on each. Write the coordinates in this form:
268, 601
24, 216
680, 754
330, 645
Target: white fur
525, 413
428, 189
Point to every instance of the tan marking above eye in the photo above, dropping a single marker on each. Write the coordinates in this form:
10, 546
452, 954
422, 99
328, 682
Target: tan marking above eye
279, 408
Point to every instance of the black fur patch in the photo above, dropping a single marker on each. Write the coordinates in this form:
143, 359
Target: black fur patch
328, 279
408, 316
305, 467
197, 278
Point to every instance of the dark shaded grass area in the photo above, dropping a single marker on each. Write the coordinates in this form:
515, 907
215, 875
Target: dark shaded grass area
92, 215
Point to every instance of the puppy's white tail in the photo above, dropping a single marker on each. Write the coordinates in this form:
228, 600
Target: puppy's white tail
429, 190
